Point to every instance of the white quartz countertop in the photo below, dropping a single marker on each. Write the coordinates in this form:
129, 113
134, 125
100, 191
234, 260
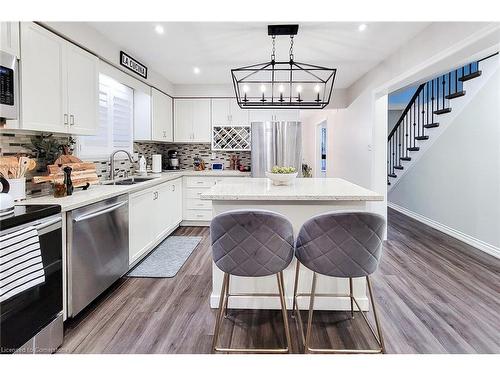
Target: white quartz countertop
97, 193
303, 189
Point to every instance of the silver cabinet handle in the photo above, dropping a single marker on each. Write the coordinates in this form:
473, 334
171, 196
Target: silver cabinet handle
173, 187
72, 120
100, 212
155, 195
65, 119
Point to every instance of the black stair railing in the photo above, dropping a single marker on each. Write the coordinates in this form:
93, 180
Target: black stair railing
431, 99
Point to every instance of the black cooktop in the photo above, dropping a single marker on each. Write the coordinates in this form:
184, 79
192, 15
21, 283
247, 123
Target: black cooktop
27, 213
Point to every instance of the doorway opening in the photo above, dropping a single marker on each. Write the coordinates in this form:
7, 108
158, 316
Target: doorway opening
321, 149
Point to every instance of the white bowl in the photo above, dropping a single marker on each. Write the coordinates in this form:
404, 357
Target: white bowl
281, 178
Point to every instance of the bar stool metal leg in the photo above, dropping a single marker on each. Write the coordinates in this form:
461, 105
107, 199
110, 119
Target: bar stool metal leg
377, 322
310, 317
218, 319
297, 270
351, 296
222, 311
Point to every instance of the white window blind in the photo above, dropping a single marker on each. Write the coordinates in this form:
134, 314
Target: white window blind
115, 128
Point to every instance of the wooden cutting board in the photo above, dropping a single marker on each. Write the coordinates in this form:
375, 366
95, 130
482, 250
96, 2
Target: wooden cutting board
82, 173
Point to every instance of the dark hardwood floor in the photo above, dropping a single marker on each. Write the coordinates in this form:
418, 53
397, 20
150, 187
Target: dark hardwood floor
435, 294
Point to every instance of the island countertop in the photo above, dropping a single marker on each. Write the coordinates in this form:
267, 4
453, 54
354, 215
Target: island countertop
302, 189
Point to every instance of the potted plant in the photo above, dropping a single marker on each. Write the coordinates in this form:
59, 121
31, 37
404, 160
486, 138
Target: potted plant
282, 175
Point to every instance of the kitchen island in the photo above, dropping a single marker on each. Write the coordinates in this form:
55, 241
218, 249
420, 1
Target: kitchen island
305, 198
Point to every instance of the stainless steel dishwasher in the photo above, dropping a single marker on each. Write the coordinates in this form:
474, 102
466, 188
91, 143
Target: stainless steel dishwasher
98, 250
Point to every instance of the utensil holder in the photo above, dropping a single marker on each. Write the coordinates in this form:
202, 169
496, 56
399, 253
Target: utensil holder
17, 188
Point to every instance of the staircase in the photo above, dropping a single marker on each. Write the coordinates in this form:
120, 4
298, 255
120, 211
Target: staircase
429, 109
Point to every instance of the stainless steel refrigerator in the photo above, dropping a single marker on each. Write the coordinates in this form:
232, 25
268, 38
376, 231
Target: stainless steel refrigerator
276, 143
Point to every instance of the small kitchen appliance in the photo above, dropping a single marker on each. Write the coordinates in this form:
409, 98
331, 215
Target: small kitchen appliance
156, 168
8, 87
6, 201
173, 160
217, 166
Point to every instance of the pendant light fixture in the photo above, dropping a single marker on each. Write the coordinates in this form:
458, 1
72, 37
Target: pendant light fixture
283, 84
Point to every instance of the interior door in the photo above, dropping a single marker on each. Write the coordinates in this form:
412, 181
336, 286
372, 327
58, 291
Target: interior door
43, 79
82, 90
183, 120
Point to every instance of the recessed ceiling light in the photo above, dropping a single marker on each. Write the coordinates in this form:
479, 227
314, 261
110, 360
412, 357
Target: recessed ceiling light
159, 29
196, 70
362, 27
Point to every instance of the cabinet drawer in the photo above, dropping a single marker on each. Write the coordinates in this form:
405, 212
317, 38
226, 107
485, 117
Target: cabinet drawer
200, 182
193, 193
198, 204
205, 215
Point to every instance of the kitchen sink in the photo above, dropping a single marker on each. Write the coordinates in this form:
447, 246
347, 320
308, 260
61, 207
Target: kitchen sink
129, 181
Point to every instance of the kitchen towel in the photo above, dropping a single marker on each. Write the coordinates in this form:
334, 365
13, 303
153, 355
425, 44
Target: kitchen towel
21, 264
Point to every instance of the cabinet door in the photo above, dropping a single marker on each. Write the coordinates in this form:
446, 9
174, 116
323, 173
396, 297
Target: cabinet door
82, 90
176, 201
287, 115
163, 209
9, 38
238, 116
142, 116
221, 112
161, 106
141, 230
183, 120
202, 127
261, 115
42, 80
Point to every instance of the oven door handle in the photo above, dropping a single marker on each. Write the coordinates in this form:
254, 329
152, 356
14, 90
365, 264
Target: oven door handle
100, 212
47, 223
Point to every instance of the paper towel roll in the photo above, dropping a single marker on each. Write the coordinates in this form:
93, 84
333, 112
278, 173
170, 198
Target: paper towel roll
156, 163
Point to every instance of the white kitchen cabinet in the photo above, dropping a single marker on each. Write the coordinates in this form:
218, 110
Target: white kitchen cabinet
59, 84
192, 120
263, 115
142, 116
161, 109
9, 38
197, 211
82, 90
228, 112
153, 214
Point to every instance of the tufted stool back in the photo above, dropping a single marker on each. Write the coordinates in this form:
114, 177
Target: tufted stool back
251, 242
341, 244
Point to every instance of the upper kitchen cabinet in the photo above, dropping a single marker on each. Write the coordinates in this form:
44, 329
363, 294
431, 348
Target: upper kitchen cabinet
161, 109
228, 112
9, 38
59, 84
192, 120
262, 115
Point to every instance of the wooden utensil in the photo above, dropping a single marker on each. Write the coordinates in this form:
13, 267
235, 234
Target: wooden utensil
23, 166
32, 165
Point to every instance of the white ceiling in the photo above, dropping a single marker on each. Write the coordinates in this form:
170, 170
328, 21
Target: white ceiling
216, 47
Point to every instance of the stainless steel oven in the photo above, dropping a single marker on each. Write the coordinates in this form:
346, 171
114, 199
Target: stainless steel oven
31, 321
9, 95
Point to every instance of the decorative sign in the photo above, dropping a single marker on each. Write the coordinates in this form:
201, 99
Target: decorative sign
133, 65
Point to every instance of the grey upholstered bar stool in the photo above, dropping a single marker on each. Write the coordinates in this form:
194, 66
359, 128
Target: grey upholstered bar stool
345, 245
251, 243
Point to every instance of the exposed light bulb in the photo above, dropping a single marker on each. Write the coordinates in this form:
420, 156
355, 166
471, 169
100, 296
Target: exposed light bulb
263, 88
281, 88
317, 88
246, 88
196, 70
362, 27
299, 89
159, 29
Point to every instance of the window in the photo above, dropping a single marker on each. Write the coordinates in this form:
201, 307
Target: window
115, 122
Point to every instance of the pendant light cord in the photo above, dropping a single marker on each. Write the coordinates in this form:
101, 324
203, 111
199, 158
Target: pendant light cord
273, 55
291, 47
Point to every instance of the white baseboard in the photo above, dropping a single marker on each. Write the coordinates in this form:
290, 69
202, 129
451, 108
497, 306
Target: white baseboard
477, 243
194, 223
272, 303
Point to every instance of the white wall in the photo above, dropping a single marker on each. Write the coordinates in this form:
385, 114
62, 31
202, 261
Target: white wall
456, 183
88, 37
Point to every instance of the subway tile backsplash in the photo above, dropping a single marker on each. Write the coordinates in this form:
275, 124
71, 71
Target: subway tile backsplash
13, 143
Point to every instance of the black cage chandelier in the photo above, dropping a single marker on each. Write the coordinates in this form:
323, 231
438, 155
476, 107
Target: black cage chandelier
283, 84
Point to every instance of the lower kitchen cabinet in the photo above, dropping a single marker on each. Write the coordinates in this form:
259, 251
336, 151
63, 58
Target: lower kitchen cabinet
197, 211
154, 213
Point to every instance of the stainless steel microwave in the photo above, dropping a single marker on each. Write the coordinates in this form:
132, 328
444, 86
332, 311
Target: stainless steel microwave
8, 87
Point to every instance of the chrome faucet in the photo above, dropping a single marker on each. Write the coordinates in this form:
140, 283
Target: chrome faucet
112, 162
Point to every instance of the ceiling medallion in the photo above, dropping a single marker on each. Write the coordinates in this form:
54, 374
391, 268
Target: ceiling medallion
283, 84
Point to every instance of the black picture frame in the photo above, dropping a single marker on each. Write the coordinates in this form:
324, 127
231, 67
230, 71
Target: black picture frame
143, 74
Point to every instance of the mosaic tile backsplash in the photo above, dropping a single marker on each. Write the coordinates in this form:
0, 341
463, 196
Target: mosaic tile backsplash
12, 143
